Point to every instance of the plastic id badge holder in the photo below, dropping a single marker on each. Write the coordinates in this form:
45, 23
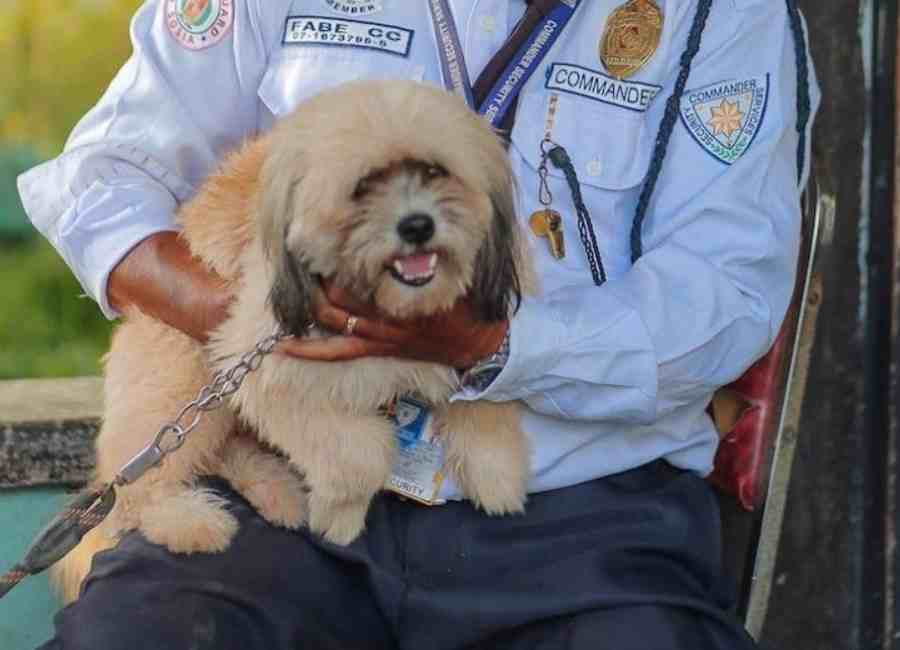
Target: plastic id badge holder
418, 471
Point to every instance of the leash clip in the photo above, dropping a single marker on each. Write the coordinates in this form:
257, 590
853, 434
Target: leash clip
146, 459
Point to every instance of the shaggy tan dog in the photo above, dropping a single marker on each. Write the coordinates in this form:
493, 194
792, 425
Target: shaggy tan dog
394, 190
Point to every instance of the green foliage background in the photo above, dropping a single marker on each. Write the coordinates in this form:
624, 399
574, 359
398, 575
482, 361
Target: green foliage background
56, 58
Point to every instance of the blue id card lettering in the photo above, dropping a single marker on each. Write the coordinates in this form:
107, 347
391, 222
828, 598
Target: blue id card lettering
418, 470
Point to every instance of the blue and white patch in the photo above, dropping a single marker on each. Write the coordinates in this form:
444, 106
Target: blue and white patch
725, 117
412, 419
354, 7
322, 30
593, 84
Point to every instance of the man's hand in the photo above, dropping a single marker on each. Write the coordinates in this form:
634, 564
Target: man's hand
453, 338
161, 278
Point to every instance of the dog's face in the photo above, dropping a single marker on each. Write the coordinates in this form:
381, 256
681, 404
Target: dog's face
395, 191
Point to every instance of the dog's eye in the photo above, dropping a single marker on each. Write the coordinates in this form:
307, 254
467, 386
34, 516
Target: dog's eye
435, 171
362, 188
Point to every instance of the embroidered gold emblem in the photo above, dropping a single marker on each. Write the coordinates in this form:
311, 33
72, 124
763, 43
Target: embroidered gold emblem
630, 37
726, 119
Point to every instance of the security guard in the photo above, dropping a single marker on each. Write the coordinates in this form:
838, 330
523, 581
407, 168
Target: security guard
656, 148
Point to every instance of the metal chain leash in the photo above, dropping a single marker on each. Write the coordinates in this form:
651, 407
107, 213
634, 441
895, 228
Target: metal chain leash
90, 508
172, 435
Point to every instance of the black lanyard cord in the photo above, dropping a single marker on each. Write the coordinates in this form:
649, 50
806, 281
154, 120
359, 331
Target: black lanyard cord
560, 159
667, 126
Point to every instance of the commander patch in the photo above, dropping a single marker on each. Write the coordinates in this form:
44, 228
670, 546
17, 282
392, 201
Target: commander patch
593, 84
725, 117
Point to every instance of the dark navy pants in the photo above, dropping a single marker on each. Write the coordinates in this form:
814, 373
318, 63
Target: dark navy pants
629, 562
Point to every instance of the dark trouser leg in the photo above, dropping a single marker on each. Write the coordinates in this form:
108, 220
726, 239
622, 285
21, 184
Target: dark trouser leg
628, 562
639, 627
271, 590
631, 561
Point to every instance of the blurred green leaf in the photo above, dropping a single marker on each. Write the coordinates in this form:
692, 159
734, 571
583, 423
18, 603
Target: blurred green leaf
58, 57
47, 329
14, 159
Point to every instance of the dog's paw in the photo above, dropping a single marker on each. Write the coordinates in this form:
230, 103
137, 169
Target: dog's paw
495, 491
493, 476
266, 480
190, 521
488, 455
280, 500
338, 522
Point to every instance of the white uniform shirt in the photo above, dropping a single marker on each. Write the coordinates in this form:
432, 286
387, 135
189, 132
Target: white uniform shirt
613, 376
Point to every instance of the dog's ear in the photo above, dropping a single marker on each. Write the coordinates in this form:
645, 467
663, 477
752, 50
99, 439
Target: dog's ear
291, 295
497, 271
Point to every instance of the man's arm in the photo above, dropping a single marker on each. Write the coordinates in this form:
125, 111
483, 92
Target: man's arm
705, 300
163, 279
710, 293
162, 125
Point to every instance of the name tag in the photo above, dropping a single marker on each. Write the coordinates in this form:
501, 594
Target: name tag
418, 471
593, 84
319, 30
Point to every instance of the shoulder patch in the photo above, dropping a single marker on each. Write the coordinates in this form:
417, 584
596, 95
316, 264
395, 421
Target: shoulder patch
725, 117
198, 24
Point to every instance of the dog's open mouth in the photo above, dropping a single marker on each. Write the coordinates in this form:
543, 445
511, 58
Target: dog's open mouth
414, 270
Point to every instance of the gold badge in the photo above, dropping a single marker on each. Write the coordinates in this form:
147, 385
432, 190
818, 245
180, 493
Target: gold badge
631, 37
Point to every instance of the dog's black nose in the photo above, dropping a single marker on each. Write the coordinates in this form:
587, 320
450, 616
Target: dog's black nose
416, 228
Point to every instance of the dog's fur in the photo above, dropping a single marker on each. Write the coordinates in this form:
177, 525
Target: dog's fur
321, 195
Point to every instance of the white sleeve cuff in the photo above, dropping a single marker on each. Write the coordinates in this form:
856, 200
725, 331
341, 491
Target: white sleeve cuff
581, 354
100, 227
521, 329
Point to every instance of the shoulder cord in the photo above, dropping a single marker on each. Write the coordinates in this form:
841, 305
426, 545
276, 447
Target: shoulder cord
561, 159
803, 102
667, 126
672, 108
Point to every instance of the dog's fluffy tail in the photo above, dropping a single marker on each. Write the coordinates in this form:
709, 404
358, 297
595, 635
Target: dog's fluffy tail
67, 575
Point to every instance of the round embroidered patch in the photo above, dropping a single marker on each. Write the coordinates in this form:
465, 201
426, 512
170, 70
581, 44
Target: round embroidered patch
355, 7
198, 24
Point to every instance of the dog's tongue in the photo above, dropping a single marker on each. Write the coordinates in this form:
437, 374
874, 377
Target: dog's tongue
415, 265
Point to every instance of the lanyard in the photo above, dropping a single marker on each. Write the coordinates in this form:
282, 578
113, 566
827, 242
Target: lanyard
520, 68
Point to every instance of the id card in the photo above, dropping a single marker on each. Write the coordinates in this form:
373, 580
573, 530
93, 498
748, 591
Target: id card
419, 467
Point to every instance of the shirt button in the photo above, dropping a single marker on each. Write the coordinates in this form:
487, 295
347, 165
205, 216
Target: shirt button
488, 24
594, 167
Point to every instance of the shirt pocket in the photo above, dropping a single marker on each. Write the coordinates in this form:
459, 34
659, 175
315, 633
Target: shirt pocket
610, 148
297, 73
